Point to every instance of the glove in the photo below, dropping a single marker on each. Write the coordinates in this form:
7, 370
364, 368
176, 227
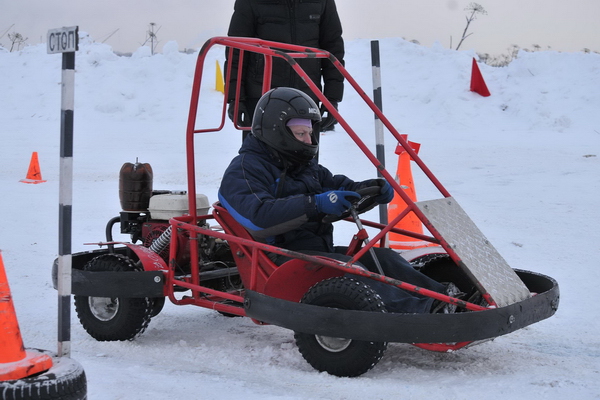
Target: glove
334, 202
386, 192
327, 119
243, 119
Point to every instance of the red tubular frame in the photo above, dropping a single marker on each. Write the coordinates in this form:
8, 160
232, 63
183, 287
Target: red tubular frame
290, 53
199, 293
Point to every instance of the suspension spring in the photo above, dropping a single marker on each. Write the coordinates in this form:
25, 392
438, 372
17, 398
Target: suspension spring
162, 241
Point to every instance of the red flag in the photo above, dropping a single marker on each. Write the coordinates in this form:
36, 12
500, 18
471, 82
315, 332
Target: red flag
477, 83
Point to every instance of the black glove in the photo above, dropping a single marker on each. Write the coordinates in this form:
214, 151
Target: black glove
327, 119
386, 192
243, 119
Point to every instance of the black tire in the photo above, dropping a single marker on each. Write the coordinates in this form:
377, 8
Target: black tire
341, 357
158, 304
65, 380
113, 318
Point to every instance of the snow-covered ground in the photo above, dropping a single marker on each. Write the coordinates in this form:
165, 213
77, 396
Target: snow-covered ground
523, 163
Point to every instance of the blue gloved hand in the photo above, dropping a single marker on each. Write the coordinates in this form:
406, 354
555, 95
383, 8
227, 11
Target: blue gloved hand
335, 201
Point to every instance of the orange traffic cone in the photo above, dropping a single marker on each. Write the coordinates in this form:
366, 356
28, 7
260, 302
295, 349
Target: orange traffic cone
410, 222
477, 83
34, 174
15, 361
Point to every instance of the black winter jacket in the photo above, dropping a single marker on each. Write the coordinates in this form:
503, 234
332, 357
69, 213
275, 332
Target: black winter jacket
276, 205
312, 23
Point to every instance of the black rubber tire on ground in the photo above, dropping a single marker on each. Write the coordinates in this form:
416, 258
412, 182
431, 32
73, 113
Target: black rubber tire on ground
341, 357
65, 380
116, 318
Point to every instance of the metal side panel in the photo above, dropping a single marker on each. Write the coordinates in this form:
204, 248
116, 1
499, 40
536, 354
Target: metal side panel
481, 260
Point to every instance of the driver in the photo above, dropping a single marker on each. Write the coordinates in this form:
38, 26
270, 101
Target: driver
280, 194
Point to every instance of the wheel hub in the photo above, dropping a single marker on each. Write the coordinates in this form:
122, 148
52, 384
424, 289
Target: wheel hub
104, 308
332, 344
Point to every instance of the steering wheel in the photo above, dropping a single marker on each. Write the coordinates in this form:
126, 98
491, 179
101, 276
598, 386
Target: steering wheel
364, 204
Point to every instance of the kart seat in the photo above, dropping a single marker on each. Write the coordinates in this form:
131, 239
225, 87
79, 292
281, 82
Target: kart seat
245, 255
289, 281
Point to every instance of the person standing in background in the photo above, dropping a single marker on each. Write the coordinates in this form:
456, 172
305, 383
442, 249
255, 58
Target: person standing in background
311, 23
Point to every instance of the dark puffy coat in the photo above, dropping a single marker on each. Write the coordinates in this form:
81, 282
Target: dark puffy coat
276, 205
312, 23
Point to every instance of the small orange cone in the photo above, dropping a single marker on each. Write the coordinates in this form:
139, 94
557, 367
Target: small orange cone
219, 83
410, 222
477, 83
34, 174
15, 361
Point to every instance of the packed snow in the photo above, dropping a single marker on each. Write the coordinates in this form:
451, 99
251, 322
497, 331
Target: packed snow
523, 163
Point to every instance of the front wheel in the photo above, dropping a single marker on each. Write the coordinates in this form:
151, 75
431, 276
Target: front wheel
113, 318
339, 356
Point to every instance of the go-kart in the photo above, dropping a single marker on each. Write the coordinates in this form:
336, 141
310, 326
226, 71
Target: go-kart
192, 252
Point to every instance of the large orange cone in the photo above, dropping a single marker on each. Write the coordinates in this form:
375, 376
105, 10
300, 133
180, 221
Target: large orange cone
219, 83
34, 174
410, 222
477, 83
15, 361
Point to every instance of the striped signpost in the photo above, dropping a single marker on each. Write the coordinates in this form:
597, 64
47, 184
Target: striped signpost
65, 41
377, 99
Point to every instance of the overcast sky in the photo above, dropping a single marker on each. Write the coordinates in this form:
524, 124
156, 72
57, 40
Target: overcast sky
551, 24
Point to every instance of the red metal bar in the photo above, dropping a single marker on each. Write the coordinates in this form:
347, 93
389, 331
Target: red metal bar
267, 75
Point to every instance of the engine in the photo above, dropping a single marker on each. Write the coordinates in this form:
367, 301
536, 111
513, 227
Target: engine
145, 217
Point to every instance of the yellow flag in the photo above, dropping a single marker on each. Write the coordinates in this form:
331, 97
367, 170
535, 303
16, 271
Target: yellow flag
219, 85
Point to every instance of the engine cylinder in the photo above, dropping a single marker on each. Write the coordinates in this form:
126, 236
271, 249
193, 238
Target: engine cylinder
135, 186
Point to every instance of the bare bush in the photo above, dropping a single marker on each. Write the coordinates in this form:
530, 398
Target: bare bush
501, 60
16, 39
475, 9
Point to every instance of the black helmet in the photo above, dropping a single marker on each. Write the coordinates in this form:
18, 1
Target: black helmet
274, 109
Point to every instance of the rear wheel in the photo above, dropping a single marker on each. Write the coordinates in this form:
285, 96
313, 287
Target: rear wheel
113, 318
339, 356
